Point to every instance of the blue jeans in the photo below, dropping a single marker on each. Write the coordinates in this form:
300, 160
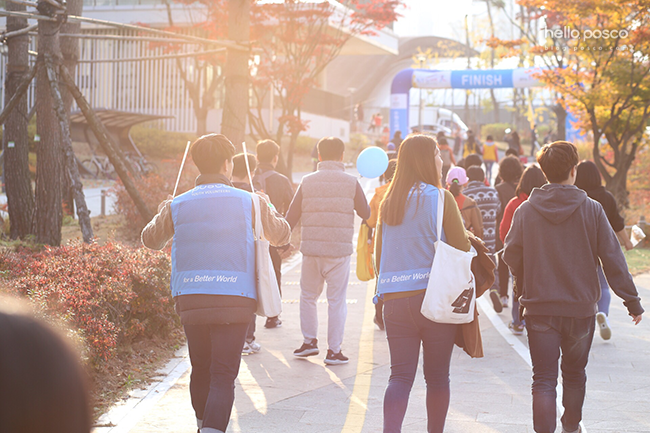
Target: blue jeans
488, 170
215, 354
605, 295
547, 336
406, 330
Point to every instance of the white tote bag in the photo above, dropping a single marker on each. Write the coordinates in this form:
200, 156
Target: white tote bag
451, 293
269, 303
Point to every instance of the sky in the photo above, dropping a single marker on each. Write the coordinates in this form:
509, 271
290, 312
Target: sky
442, 18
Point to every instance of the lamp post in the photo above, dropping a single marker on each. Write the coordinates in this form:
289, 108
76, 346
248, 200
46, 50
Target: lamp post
421, 59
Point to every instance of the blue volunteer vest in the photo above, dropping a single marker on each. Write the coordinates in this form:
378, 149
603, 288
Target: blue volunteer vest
213, 252
407, 250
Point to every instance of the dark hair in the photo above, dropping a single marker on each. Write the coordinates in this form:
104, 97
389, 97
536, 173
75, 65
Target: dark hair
475, 173
239, 165
588, 176
510, 169
557, 159
43, 387
442, 141
330, 149
472, 160
416, 162
440, 136
267, 150
489, 138
455, 188
533, 177
512, 152
210, 151
390, 171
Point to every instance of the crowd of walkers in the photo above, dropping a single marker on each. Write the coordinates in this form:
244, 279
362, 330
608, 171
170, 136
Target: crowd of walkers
538, 229
550, 228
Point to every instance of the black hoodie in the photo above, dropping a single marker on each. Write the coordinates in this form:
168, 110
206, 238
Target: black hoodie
553, 246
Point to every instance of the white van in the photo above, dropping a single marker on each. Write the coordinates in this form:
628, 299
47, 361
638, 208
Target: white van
436, 119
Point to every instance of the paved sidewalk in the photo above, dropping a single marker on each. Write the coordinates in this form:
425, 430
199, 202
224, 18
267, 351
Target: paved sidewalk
277, 392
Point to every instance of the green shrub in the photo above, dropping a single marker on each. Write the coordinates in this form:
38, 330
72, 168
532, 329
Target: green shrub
159, 143
496, 130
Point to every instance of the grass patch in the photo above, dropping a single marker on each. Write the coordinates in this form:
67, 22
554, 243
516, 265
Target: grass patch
638, 260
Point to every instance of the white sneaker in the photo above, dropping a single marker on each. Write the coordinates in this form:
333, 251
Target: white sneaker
603, 326
251, 347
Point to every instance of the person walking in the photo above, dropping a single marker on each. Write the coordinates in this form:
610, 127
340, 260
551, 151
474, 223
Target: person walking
555, 241
407, 216
510, 171
487, 200
531, 178
457, 179
280, 191
472, 145
375, 201
588, 179
447, 155
213, 273
490, 157
240, 180
326, 202
397, 140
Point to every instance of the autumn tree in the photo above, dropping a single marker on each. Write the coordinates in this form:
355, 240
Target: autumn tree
606, 81
296, 41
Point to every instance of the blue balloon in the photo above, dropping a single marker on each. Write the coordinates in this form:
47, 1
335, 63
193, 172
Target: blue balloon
372, 162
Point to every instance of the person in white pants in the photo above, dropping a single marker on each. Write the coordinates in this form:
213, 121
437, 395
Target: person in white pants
325, 202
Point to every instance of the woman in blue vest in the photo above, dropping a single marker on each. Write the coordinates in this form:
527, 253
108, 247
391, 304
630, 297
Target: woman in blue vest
213, 273
405, 249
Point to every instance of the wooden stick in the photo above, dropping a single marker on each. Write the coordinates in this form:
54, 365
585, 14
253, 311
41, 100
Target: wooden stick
71, 162
178, 179
22, 88
248, 167
108, 147
20, 32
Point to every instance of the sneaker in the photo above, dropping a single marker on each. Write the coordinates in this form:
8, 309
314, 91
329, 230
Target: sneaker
307, 349
504, 301
496, 301
251, 347
273, 322
335, 358
516, 329
603, 326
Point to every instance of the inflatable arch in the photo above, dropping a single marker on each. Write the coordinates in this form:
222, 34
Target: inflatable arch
462, 79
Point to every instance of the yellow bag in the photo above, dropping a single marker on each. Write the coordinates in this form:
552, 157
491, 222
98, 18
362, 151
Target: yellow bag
365, 271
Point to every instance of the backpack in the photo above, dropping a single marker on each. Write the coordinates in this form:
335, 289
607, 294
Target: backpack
259, 180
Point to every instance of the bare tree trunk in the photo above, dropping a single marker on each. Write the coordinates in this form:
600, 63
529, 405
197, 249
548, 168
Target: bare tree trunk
72, 171
560, 117
70, 52
49, 154
233, 121
20, 197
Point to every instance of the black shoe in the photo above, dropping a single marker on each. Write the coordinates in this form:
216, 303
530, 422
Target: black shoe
307, 349
273, 322
496, 301
335, 358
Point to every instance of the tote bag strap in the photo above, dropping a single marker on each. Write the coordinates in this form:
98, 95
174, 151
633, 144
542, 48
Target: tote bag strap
258, 229
441, 212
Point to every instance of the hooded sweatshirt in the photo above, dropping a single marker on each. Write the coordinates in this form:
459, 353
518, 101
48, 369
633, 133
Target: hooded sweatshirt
554, 244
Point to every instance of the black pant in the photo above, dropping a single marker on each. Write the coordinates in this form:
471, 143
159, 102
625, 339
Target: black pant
215, 354
503, 274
